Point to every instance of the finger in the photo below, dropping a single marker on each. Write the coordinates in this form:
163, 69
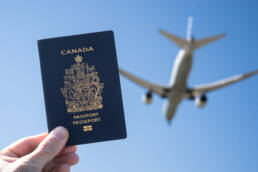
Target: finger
70, 159
8, 159
68, 149
50, 147
61, 168
24, 146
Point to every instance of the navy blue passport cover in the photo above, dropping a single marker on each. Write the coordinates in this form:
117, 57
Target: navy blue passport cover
82, 87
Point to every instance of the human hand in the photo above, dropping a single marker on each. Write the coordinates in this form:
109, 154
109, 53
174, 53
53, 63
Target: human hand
40, 153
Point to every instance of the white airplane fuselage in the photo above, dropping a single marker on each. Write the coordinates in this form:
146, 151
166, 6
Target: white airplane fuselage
178, 80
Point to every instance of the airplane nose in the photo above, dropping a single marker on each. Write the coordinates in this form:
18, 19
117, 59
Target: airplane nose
169, 122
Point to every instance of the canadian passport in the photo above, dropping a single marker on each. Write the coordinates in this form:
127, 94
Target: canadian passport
82, 88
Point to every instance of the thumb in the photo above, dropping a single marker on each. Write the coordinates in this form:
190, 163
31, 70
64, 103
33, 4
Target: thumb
50, 147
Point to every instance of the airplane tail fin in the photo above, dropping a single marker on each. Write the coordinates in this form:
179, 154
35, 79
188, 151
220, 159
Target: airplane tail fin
180, 42
189, 28
201, 42
205, 41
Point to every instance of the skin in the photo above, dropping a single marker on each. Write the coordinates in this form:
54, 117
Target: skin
41, 153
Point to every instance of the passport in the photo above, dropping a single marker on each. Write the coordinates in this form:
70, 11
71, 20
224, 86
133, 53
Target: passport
81, 87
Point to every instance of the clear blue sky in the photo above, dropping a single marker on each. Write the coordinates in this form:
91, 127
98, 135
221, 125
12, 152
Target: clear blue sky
221, 137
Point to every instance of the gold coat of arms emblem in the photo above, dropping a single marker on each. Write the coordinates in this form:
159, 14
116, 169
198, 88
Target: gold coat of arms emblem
82, 87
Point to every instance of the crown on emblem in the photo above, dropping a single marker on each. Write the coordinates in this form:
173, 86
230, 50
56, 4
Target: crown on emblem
78, 59
82, 87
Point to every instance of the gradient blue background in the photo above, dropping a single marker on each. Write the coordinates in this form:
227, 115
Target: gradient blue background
221, 137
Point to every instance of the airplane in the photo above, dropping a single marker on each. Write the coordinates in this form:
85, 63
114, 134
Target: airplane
178, 90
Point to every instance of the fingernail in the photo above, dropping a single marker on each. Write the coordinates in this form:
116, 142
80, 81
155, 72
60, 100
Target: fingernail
61, 133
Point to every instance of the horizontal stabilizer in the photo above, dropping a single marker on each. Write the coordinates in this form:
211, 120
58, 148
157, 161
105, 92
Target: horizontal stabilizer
176, 39
205, 41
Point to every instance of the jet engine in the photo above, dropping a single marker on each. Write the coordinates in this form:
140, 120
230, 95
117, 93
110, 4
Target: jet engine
201, 101
147, 98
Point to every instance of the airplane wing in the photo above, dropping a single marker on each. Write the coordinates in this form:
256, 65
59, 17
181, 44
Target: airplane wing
202, 89
160, 90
